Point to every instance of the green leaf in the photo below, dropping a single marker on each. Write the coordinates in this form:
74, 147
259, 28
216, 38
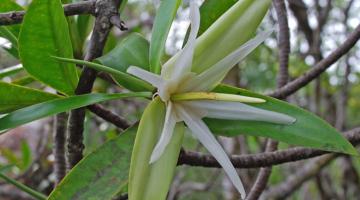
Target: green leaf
56, 106
210, 11
124, 79
308, 130
152, 181
235, 27
26, 155
14, 97
22, 187
45, 33
132, 50
162, 23
11, 157
5, 168
101, 174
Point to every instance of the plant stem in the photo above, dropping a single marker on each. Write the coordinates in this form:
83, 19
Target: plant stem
23, 187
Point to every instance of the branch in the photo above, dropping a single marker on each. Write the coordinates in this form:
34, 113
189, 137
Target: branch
105, 10
299, 10
109, 116
262, 159
294, 181
80, 8
59, 146
319, 68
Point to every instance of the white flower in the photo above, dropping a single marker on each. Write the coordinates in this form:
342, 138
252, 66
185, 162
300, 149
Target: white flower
183, 93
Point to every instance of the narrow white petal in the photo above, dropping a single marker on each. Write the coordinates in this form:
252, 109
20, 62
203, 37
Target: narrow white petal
202, 132
167, 132
214, 75
184, 60
239, 111
147, 76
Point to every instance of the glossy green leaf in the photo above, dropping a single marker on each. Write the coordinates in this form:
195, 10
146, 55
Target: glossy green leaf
162, 23
38, 111
22, 187
124, 79
308, 130
210, 11
101, 174
14, 97
152, 181
132, 50
235, 27
45, 33
26, 155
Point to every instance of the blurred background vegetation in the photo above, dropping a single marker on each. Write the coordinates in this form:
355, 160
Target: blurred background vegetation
335, 96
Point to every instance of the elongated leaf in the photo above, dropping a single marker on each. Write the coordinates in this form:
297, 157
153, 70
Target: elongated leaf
22, 187
210, 11
163, 20
45, 33
308, 130
101, 174
152, 181
14, 97
124, 79
236, 26
26, 155
56, 106
133, 50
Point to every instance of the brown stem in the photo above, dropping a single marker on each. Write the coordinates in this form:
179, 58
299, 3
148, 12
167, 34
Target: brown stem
105, 10
80, 8
109, 116
262, 159
294, 181
59, 146
319, 68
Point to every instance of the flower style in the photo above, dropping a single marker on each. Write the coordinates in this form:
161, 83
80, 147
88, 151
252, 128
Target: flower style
188, 98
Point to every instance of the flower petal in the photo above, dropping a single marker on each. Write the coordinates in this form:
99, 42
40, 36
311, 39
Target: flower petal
202, 132
184, 60
167, 132
239, 111
149, 77
208, 79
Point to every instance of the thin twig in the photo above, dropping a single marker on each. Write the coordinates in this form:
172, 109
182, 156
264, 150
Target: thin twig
59, 146
262, 159
319, 68
109, 116
293, 182
80, 8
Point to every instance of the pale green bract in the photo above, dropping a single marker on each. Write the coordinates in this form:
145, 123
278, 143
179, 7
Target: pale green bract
178, 79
